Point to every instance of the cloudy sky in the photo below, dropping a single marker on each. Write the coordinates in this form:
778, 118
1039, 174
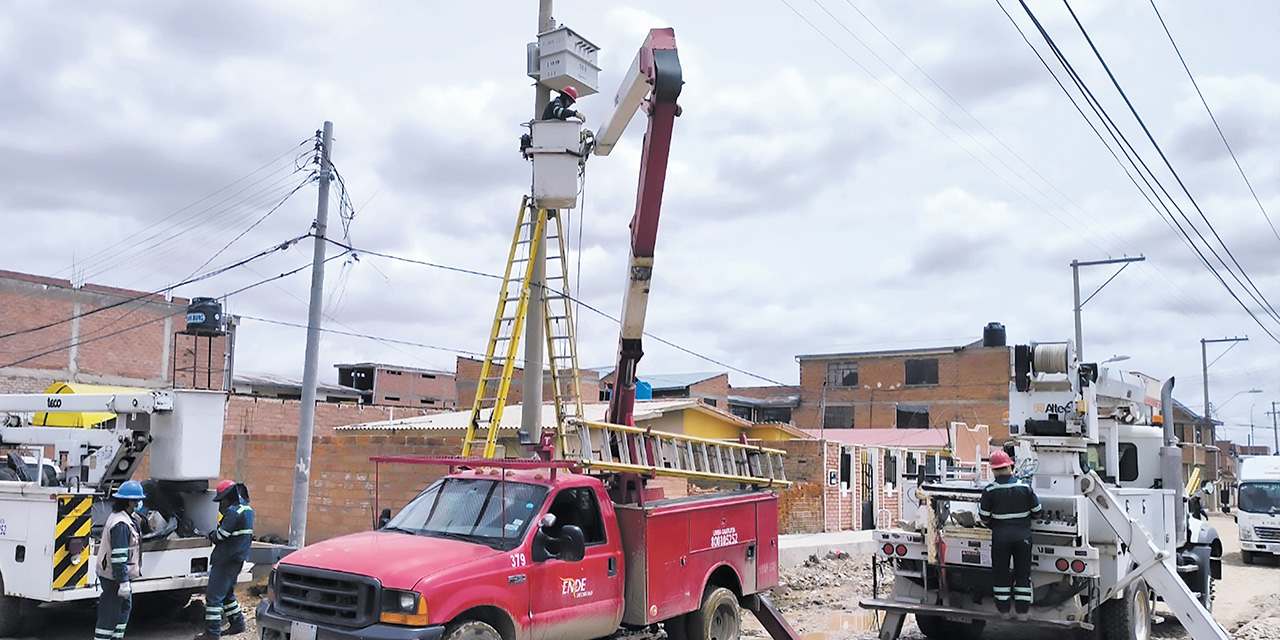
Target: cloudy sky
846, 176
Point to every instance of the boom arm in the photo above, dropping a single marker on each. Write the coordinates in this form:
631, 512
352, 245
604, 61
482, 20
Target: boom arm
655, 73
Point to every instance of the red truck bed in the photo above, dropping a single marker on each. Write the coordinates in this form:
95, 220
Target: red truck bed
672, 544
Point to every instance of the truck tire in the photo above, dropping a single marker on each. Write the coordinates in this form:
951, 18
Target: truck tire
472, 630
718, 619
940, 628
1127, 617
1247, 557
10, 613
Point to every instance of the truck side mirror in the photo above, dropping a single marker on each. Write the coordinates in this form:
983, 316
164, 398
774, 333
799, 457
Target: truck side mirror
573, 545
384, 517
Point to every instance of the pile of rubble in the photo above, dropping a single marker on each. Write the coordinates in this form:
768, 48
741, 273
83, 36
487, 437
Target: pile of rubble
1266, 626
811, 582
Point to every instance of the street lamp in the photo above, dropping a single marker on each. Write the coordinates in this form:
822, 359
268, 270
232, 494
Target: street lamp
1218, 408
1114, 359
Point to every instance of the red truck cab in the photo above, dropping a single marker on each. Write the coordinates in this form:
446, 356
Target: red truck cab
530, 555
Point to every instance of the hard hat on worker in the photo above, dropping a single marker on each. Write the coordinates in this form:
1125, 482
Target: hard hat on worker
130, 490
1000, 460
571, 92
224, 490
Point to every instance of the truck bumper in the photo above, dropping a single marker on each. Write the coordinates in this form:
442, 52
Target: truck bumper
272, 626
1262, 547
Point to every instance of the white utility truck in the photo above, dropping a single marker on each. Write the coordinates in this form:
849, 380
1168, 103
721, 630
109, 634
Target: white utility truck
1113, 535
1258, 506
51, 514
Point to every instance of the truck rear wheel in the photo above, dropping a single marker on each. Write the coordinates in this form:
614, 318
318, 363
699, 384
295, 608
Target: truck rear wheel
940, 628
10, 613
1128, 617
472, 630
718, 619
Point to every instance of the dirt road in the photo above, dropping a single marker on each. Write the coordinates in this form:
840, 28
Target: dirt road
822, 604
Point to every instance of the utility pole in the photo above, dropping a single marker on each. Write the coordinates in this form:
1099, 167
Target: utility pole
535, 321
1075, 280
306, 426
1204, 364
1274, 431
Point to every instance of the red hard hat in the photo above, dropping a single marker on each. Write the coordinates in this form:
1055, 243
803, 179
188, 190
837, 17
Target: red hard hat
1001, 459
571, 92
223, 488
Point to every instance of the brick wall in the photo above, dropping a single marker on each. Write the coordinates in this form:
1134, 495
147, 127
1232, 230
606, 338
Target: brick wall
248, 415
415, 388
973, 387
343, 480
124, 345
802, 507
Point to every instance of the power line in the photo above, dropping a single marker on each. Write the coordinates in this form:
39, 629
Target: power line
1215, 121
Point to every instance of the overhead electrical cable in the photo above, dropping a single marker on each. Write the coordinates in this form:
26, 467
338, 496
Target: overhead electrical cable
1260, 298
1140, 165
1221, 135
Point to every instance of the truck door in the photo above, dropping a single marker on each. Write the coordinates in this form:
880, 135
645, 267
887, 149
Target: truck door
570, 600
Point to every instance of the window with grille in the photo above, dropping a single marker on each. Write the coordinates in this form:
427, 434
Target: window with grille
913, 416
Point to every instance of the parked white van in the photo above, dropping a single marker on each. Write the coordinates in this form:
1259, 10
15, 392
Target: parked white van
1258, 506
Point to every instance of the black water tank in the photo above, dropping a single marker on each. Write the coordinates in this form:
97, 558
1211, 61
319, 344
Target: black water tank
993, 335
204, 317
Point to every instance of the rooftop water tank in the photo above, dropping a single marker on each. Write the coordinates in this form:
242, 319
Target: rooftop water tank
993, 335
204, 317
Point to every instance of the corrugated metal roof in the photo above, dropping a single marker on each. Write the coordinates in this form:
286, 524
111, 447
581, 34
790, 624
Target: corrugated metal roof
282, 382
906, 438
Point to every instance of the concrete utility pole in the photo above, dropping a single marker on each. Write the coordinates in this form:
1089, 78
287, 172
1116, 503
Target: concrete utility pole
1075, 280
534, 326
306, 426
1274, 431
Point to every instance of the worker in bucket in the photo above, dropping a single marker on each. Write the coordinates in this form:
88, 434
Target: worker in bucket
558, 108
119, 562
231, 541
1007, 507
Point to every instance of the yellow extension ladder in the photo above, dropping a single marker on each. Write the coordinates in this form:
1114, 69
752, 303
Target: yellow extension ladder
534, 229
598, 446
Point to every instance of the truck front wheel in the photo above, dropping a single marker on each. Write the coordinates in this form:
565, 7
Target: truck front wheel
1247, 557
472, 630
718, 619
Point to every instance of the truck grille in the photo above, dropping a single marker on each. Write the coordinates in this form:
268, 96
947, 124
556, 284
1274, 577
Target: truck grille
1270, 534
330, 597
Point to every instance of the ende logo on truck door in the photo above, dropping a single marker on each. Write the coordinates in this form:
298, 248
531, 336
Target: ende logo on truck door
576, 587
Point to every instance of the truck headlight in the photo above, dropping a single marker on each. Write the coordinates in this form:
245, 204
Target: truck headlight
1246, 532
271, 586
403, 607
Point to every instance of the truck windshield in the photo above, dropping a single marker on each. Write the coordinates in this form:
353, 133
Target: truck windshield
487, 511
1260, 497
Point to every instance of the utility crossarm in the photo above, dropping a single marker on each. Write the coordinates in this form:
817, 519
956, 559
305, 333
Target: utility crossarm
129, 403
652, 84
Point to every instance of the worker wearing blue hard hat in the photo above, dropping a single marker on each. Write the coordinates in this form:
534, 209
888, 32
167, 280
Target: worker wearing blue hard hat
119, 562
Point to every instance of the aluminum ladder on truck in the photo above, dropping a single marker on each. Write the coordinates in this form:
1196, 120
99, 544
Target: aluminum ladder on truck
534, 229
602, 446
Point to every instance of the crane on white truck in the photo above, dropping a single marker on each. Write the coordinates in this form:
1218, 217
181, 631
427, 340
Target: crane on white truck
50, 523
1106, 540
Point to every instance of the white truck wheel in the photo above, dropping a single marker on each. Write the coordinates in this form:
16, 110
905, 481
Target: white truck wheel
473, 630
718, 619
1127, 617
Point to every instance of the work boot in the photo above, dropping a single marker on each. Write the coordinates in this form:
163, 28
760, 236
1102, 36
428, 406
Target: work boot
236, 626
205, 635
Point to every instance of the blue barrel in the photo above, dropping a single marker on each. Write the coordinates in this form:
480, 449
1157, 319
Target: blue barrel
204, 317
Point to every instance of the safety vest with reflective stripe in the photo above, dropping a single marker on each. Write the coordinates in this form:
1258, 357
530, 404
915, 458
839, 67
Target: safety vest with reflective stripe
116, 551
234, 535
1007, 507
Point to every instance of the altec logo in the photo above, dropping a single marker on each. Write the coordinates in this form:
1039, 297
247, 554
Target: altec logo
1053, 407
576, 587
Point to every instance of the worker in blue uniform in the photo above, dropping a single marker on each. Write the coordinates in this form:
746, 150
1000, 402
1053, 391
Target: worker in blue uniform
119, 562
1007, 508
558, 108
231, 541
